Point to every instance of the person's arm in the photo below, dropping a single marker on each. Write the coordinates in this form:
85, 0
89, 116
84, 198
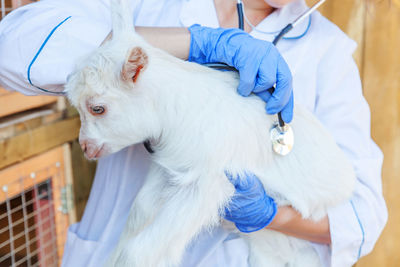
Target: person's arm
259, 63
289, 221
174, 40
252, 209
61, 33
58, 35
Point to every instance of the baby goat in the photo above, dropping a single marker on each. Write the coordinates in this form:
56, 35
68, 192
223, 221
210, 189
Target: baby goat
128, 92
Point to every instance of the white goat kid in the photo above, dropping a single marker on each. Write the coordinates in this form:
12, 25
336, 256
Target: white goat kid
128, 92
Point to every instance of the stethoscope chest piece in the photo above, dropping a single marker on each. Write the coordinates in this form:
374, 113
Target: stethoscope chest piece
282, 139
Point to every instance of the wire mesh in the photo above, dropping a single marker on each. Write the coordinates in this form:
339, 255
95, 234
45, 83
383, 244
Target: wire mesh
8, 5
28, 224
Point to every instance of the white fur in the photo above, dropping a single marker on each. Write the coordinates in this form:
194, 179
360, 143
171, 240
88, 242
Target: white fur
200, 127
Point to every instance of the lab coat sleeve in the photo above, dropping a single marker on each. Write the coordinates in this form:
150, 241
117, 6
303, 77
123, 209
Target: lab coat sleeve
340, 105
40, 43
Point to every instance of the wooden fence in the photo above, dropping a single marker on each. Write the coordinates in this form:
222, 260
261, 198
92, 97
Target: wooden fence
375, 25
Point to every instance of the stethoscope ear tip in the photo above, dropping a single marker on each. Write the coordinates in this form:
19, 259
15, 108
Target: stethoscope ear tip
282, 139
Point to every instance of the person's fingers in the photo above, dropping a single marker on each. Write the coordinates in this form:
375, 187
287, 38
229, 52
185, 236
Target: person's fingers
234, 179
230, 177
248, 64
283, 90
287, 111
247, 82
264, 95
241, 182
265, 79
245, 182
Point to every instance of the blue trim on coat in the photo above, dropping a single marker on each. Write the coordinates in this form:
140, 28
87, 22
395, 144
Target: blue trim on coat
38, 53
362, 230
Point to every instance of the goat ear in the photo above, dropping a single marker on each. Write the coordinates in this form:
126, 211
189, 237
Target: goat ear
134, 64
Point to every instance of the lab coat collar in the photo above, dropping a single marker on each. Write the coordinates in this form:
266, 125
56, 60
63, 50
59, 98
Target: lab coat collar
203, 12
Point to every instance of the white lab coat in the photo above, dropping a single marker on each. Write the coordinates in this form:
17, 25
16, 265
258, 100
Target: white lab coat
40, 43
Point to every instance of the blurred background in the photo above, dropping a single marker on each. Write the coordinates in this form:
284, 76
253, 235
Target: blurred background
375, 25
45, 180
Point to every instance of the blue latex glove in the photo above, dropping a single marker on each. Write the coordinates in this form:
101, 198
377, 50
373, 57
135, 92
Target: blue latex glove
251, 209
259, 63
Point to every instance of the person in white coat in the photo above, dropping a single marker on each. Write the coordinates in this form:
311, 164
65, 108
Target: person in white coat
40, 43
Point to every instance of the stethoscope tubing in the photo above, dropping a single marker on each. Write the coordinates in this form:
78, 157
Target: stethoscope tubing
283, 32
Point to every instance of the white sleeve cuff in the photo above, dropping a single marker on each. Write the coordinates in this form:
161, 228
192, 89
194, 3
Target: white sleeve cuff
347, 236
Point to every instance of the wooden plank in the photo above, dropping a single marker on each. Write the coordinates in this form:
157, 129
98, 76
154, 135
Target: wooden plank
61, 218
26, 121
381, 86
69, 180
16, 102
20, 177
20, 147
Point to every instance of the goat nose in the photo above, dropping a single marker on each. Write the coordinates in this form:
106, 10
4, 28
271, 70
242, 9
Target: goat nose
83, 145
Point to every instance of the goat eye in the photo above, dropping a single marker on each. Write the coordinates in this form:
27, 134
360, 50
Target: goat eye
97, 110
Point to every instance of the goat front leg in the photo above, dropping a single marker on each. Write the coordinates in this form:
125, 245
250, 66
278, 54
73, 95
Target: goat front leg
188, 208
143, 210
147, 202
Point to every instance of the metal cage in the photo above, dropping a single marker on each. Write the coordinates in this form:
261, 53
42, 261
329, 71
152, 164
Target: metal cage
27, 222
7, 5
34, 210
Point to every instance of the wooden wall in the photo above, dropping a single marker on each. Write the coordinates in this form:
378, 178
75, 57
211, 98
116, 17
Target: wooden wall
375, 25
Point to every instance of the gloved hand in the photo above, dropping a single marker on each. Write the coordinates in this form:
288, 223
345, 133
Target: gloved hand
251, 209
259, 63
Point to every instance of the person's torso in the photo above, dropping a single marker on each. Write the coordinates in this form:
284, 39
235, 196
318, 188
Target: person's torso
125, 171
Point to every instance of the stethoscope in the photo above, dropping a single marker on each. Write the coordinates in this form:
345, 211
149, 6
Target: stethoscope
281, 133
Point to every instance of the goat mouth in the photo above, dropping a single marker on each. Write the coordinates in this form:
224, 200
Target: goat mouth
95, 154
99, 152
